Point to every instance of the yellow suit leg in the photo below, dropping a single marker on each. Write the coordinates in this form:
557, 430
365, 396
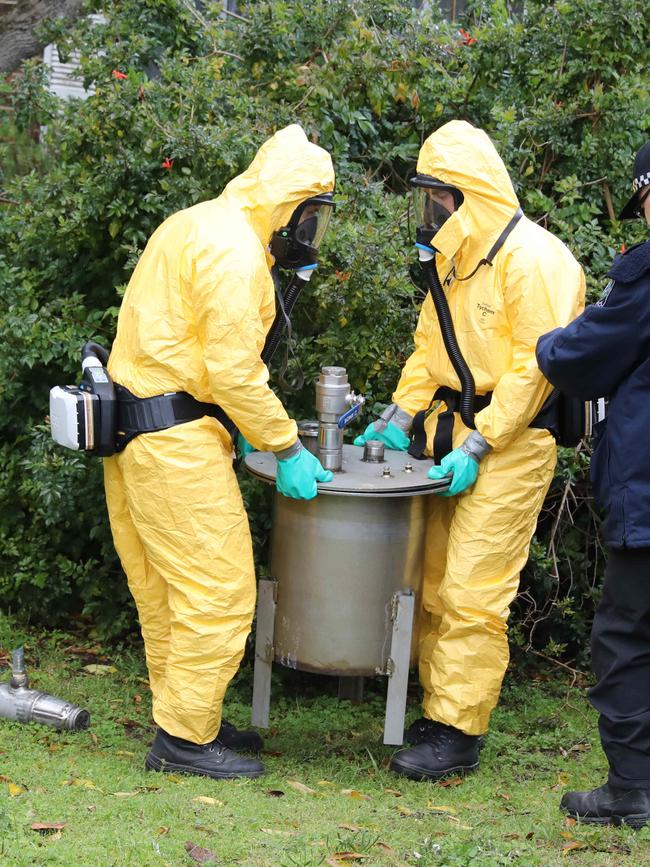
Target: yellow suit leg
462, 666
183, 500
440, 511
147, 586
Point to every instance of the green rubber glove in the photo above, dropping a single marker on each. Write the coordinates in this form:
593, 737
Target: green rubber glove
297, 475
464, 470
243, 446
462, 464
391, 436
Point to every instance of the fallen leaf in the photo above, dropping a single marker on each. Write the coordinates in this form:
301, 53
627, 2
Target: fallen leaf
350, 856
395, 792
15, 790
47, 827
125, 753
125, 794
511, 836
452, 781
530, 835
204, 799
160, 832
504, 795
569, 821
275, 793
173, 778
199, 854
385, 847
4, 779
435, 808
562, 781
353, 793
301, 787
94, 668
572, 846
54, 748
347, 827
91, 808
580, 748
137, 699
324, 783
145, 789
77, 781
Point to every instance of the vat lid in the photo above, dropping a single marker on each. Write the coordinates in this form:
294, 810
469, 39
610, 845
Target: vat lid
362, 479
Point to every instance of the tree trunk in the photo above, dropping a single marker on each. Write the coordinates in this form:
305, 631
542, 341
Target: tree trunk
17, 23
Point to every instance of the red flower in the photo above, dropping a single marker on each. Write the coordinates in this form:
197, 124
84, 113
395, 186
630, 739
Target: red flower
119, 75
167, 164
466, 38
623, 248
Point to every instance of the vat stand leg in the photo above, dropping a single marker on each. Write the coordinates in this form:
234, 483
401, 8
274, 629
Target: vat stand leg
351, 688
397, 668
265, 627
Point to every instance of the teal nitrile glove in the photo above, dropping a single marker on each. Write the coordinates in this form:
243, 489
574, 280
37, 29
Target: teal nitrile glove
390, 428
462, 464
243, 446
298, 474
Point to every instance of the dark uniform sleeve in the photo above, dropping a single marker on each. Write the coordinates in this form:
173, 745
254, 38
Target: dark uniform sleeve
593, 355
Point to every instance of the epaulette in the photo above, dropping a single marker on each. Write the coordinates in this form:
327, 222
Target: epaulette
632, 264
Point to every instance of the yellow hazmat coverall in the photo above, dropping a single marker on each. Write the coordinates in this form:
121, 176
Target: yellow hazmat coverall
478, 542
194, 318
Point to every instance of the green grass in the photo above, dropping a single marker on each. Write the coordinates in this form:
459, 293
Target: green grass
543, 740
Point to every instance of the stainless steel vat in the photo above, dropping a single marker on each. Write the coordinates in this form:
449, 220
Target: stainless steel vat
340, 558
338, 561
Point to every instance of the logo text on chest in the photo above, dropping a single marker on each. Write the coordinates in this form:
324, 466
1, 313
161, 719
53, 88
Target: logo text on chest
485, 311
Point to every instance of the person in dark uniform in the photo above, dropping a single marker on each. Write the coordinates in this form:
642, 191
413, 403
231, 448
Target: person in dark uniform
604, 355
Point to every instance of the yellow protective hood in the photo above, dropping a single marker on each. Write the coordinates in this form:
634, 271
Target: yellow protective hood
463, 156
287, 169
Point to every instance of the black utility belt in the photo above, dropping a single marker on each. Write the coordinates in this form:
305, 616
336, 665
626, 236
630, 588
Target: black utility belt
443, 437
137, 415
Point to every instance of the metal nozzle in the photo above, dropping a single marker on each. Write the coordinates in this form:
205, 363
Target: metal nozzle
21, 704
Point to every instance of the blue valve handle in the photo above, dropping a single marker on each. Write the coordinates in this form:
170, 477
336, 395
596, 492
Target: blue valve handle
348, 416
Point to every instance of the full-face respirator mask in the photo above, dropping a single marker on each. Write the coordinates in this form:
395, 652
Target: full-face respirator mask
430, 212
296, 245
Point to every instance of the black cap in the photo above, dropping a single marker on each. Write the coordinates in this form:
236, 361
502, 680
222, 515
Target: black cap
640, 180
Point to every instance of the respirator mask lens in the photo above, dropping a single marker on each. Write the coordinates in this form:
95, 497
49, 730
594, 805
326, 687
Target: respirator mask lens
296, 244
312, 224
430, 213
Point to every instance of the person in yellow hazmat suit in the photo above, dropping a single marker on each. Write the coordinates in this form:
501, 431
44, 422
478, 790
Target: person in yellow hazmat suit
506, 281
190, 335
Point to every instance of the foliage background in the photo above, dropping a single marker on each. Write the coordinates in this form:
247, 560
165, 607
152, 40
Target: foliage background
562, 89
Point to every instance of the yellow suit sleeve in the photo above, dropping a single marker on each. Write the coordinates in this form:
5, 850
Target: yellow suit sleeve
539, 296
416, 387
227, 292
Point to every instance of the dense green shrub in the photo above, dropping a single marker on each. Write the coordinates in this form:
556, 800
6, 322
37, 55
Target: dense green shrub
182, 100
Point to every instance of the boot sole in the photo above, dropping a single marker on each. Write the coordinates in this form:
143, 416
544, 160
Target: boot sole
636, 822
414, 772
153, 763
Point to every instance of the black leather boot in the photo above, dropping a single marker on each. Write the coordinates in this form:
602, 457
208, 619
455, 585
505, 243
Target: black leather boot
242, 740
609, 805
421, 728
175, 755
444, 751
